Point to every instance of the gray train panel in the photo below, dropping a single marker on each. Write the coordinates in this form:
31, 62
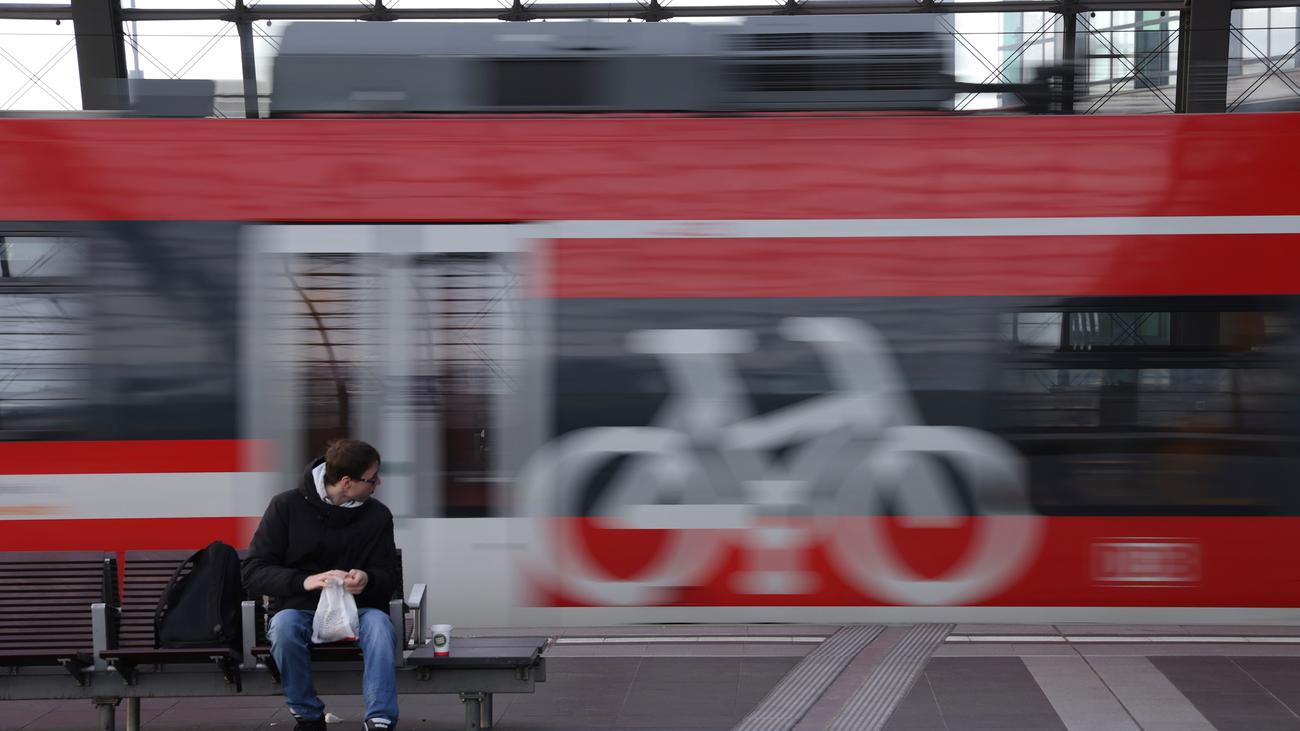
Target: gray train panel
846, 62
480, 67
838, 62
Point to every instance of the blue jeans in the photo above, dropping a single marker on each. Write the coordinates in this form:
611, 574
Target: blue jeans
290, 635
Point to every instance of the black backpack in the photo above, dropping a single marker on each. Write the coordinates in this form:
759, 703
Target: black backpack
201, 608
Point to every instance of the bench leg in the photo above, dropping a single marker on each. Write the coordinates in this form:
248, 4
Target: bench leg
132, 714
107, 713
473, 710
487, 710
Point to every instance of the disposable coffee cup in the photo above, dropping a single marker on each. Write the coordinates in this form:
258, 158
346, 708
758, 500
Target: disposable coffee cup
441, 639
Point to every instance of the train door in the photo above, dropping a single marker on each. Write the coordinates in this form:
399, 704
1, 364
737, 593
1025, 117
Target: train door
408, 337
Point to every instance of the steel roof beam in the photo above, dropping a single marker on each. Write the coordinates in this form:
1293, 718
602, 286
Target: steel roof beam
625, 10
617, 10
101, 54
29, 11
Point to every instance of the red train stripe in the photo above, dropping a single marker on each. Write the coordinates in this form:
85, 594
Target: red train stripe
124, 457
1101, 561
118, 535
124, 534
595, 168
930, 266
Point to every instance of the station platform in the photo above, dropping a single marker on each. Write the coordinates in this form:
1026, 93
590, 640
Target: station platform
896, 677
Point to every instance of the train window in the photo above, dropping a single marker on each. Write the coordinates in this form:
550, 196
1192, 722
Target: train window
27, 257
533, 82
326, 330
467, 360
43, 375
163, 327
44, 346
1119, 399
1166, 411
1095, 330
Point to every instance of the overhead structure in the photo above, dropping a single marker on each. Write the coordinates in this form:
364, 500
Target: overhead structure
1203, 56
101, 52
1204, 36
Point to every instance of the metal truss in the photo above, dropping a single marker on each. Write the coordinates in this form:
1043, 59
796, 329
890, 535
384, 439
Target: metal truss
650, 10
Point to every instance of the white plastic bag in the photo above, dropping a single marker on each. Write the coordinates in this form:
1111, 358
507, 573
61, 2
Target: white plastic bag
336, 616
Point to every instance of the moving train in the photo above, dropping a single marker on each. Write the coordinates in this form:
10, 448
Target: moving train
666, 368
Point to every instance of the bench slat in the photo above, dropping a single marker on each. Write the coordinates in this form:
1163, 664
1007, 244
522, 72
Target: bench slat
86, 583
41, 640
66, 622
10, 658
46, 603
50, 557
36, 570
52, 591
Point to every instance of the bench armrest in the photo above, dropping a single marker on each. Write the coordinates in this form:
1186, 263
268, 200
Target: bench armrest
418, 603
248, 621
99, 633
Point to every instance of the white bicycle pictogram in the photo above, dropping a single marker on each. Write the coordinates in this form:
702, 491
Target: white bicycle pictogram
705, 468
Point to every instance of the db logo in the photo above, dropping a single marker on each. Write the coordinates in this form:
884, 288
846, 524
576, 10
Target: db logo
1154, 562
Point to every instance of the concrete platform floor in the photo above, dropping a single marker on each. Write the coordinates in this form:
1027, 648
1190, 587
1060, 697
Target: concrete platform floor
1022, 677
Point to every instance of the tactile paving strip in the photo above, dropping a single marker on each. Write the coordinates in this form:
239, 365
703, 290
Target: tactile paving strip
791, 698
885, 687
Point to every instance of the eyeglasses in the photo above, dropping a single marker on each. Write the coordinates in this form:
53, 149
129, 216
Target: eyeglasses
373, 481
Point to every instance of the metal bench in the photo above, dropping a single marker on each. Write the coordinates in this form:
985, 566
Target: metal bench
476, 670
47, 638
486, 656
124, 639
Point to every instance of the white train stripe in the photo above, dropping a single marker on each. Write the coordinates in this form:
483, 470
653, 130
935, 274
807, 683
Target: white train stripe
181, 495
1159, 615
1129, 639
689, 639
923, 227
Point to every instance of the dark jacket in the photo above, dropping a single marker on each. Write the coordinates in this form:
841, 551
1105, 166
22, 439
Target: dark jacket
301, 535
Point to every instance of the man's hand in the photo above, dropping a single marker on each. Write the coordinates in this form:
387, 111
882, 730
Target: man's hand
354, 582
324, 579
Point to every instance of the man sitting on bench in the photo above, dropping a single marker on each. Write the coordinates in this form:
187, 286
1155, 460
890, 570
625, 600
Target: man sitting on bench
329, 528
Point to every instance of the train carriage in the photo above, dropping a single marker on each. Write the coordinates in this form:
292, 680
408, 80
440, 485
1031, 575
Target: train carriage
663, 368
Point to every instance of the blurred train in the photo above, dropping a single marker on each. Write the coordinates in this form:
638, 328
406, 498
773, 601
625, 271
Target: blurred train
656, 367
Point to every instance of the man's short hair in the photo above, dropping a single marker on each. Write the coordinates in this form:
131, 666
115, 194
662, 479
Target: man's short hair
348, 458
